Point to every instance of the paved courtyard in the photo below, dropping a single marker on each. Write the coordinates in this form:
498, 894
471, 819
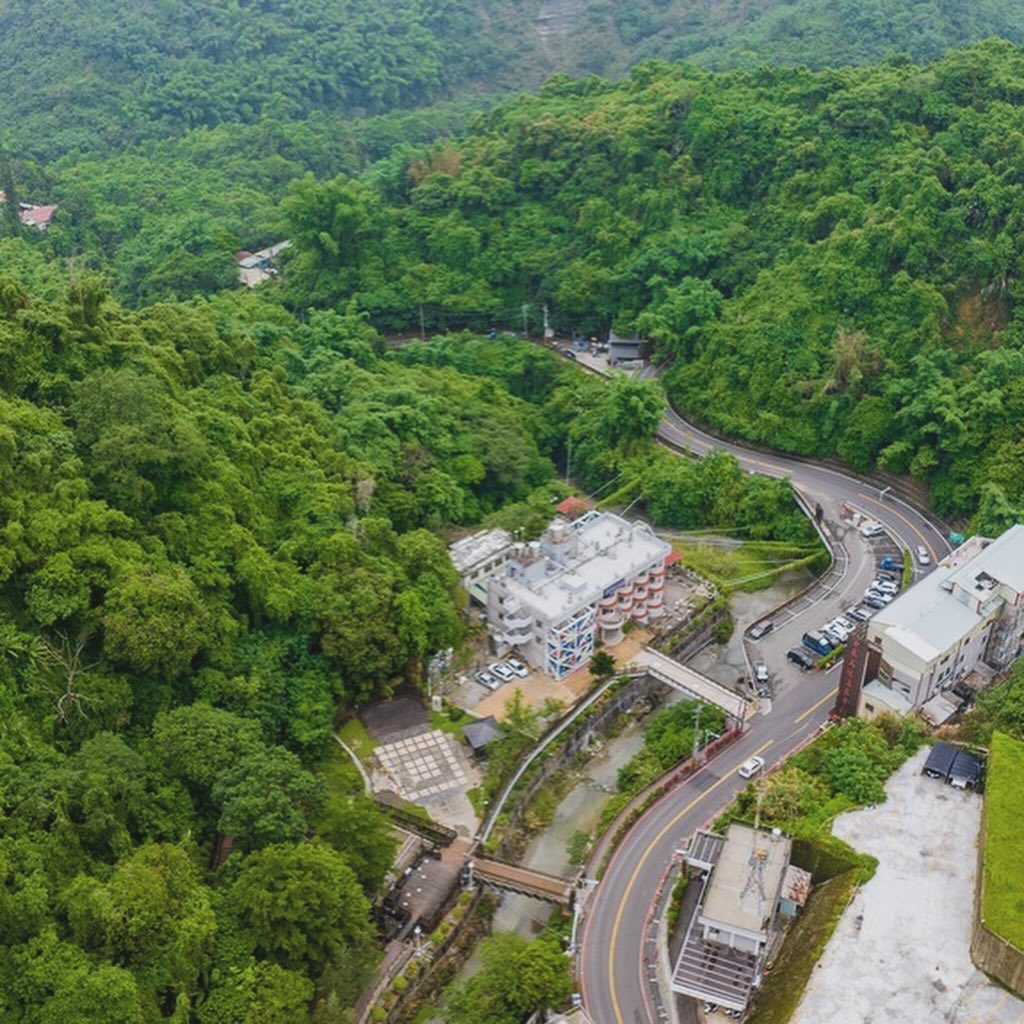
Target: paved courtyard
426, 768
908, 961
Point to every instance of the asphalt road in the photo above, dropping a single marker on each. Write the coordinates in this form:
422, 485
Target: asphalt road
613, 979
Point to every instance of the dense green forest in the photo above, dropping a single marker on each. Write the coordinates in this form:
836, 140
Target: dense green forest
97, 74
832, 259
220, 527
167, 130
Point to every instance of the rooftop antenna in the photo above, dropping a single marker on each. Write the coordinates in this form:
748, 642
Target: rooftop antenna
758, 859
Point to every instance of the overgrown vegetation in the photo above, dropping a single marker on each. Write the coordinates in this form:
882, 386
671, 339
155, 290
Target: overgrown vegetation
1002, 907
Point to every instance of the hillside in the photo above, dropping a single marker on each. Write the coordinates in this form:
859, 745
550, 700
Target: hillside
94, 74
832, 259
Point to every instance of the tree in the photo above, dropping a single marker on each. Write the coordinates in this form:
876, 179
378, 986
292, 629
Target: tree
302, 905
517, 979
103, 995
198, 743
601, 665
267, 797
260, 992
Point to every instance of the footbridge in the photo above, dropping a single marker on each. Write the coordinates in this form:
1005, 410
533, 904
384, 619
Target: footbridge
684, 679
514, 878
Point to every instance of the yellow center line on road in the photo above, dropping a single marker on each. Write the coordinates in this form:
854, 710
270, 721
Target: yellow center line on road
636, 871
814, 707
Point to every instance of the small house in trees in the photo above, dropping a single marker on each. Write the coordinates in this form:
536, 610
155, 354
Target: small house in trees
623, 351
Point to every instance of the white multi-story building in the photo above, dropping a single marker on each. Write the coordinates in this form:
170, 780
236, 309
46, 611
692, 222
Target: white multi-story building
553, 598
967, 616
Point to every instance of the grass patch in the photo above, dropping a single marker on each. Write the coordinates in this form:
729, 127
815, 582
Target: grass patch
784, 984
340, 775
445, 721
751, 566
1003, 899
353, 733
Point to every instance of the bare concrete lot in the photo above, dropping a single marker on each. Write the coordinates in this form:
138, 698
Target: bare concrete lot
901, 950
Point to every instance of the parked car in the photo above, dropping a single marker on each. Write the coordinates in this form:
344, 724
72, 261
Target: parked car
879, 595
873, 600
891, 563
886, 586
817, 643
762, 628
923, 558
518, 667
845, 623
834, 638
872, 529
760, 672
800, 657
752, 767
502, 671
486, 679
840, 629
858, 613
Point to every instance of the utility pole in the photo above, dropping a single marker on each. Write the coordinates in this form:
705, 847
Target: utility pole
423, 327
548, 333
526, 325
696, 730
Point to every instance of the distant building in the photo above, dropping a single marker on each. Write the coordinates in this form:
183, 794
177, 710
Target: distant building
627, 350
256, 267
552, 599
963, 622
748, 884
33, 215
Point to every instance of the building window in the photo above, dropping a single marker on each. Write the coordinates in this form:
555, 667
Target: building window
869, 708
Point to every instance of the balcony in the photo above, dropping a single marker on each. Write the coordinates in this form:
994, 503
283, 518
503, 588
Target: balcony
516, 622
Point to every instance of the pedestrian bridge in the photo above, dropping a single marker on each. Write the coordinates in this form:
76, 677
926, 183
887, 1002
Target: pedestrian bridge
693, 684
513, 878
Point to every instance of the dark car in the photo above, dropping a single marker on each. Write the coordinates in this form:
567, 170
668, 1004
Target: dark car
800, 657
761, 629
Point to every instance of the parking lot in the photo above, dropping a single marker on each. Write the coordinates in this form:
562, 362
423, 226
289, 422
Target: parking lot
840, 589
901, 950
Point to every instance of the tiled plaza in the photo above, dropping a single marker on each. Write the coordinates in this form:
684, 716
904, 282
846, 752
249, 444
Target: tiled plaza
426, 768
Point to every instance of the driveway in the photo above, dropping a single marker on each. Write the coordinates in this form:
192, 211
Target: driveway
909, 959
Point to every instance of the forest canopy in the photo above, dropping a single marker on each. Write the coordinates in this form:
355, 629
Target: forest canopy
832, 260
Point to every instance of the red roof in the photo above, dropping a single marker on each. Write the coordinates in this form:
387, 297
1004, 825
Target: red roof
242, 254
38, 216
672, 557
571, 507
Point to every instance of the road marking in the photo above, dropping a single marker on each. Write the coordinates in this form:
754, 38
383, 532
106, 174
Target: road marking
636, 871
913, 529
814, 707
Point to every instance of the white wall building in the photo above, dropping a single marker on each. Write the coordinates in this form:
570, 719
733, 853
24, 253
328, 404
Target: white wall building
479, 556
554, 598
967, 616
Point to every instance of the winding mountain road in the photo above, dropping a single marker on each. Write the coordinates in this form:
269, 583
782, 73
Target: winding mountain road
615, 981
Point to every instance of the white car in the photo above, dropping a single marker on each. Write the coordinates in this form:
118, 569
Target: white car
486, 679
502, 671
518, 667
886, 586
752, 767
872, 529
760, 672
923, 558
840, 629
